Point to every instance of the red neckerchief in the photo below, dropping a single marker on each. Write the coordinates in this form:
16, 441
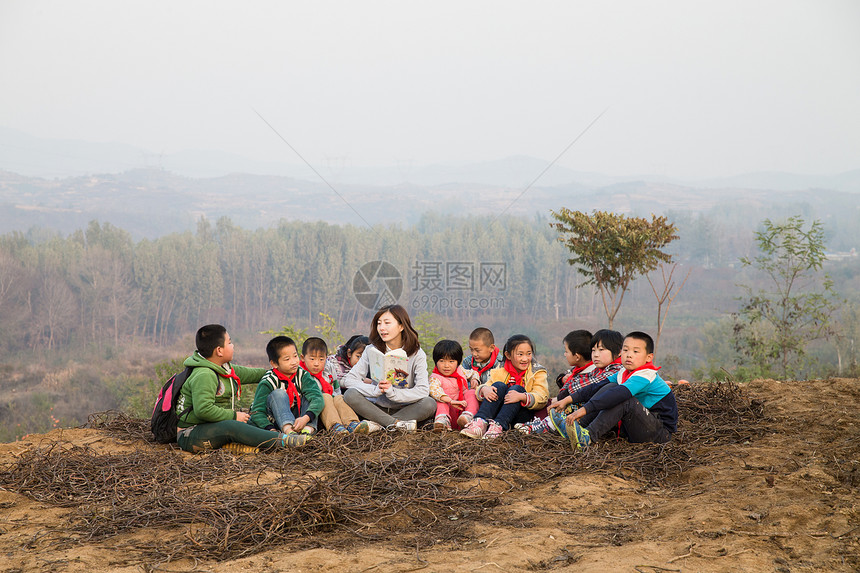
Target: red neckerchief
581, 368
647, 366
292, 393
516, 376
320, 376
232, 375
462, 383
574, 371
490, 362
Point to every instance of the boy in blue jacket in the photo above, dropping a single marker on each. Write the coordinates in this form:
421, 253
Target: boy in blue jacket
636, 396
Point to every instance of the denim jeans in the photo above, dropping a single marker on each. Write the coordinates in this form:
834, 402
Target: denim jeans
278, 407
505, 414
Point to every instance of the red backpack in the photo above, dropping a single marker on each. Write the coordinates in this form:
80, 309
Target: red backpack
164, 418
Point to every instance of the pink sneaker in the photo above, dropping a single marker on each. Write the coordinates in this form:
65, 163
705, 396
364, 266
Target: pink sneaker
494, 430
464, 419
441, 424
475, 429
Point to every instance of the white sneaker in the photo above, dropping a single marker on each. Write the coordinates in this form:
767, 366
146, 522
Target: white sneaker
368, 427
404, 425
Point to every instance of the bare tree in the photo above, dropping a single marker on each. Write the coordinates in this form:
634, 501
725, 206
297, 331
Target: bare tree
665, 296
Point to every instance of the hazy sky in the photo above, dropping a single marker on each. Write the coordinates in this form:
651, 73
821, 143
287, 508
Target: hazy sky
691, 89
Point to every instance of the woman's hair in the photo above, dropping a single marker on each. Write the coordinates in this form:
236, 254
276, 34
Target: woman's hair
409, 335
448, 349
356, 342
515, 341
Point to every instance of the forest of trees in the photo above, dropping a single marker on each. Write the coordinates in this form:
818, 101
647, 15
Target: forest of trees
98, 286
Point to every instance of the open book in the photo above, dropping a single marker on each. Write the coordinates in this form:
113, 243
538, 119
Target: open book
390, 366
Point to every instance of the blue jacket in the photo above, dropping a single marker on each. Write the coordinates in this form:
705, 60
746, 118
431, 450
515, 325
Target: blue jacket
644, 384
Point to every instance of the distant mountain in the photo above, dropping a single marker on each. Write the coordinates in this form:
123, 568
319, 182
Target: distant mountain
153, 202
848, 182
50, 158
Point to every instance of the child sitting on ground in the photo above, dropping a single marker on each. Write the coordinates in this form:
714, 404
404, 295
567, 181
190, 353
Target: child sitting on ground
287, 398
346, 356
208, 402
336, 415
605, 352
484, 356
636, 396
577, 354
451, 386
512, 394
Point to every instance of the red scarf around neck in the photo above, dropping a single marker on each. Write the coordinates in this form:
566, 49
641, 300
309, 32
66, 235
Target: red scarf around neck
320, 376
462, 383
292, 393
628, 373
574, 371
579, 369
490, 363
516, 376
232, 375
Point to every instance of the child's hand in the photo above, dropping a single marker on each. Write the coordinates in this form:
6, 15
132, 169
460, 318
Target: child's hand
560, 405
301, 422
515, 396
385, 385
490, 393
459, 403
242, 417
577, 414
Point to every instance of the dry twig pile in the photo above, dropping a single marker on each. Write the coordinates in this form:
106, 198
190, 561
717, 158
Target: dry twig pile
341, 489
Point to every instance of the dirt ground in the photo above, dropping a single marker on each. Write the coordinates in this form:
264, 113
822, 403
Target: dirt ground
783, 499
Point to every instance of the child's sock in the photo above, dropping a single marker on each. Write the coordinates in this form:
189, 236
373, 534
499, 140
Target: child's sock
352, 426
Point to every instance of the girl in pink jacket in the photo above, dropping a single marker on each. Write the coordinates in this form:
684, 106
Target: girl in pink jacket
451, 386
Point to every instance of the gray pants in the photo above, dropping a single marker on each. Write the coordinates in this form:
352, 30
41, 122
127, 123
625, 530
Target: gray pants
420, 410
637, 422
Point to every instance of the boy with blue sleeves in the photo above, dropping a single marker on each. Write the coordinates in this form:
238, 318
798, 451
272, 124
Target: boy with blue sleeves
636, 396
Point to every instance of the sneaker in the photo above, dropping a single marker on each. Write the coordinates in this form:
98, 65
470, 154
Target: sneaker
464, 419
352, 426
294, 440
404, 425
307, 430
558, 421
367, 427
536, 426
475, 429
494, 430
235, 448
441, 424
339, 428
579, 437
